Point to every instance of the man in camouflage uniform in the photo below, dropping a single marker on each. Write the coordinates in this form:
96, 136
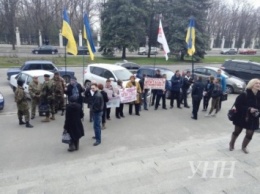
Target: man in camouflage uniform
35, 92
22, 105
47, 97
59, 87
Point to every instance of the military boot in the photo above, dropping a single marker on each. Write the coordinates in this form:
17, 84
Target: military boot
28, 125
21, 122
52, 117
47, 119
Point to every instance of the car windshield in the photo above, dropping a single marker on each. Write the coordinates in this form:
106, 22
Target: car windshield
123, 74
168, 73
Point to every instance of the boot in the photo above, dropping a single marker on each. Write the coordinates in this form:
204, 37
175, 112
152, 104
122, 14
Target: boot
47, 119
232, 142
244, 144
21, 122
77, 145
62, 112
28, 125
52, 117
71, 147
103, 125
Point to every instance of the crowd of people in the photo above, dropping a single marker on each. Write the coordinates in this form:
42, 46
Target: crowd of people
96, 96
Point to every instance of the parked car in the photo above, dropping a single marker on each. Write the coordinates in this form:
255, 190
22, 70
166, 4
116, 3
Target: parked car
247, 52
234, 84
45, 49
27, 77
133, 67
100, 72
2, 101
229, 51
144, 51
245, 70
82, 50
41, 64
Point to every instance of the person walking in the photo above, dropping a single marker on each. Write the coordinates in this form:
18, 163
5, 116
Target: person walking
105, 98
207, 92
223, 84
59, 86
196, 94
120, 109
130, 84
89, 99
73, 124
47, 97
97, 108
216, 95
35, 93
247, 114
22, 105
144, 92
176, 84
161, 94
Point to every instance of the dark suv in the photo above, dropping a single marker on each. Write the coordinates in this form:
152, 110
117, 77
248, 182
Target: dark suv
245, 70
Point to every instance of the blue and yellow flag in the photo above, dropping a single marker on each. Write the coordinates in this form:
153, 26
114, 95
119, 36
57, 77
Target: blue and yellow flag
68, 34
88, 36
190, 38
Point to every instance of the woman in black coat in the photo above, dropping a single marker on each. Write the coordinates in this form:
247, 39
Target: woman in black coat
207, 93
73, 124
247, 116
75, 89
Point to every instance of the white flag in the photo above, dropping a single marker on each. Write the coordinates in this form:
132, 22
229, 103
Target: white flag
161, 39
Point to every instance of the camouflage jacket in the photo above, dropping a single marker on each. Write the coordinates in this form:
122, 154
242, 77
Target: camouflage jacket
58, 85
47, 92
34, 89
20, 99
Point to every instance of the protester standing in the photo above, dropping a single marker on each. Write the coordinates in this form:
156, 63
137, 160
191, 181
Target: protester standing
187, 81
35, 93
73, 124
97, 108
247, 114
154, 91
110, 93
75, 89
59, 86
196, 94
176, 84
223, 84
120, 109
105, 98
22, 105
207, 92
144, 92
161, 94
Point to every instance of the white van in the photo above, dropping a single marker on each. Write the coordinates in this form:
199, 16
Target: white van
144, 51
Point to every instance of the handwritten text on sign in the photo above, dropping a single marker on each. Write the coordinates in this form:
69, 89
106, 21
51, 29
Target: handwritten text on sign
127, 95
154, 83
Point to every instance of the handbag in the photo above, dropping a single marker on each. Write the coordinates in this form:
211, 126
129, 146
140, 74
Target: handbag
232, 113
224, 97
66, 137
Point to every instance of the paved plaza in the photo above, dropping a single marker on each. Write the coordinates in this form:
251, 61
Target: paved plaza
160, 152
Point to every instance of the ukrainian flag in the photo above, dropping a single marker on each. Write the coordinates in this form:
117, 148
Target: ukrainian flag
190, 38
88, 36
68, 34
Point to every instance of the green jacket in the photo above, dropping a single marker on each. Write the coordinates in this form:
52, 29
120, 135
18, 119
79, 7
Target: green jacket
20, 99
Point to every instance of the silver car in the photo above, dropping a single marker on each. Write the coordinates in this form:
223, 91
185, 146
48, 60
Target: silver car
234, 84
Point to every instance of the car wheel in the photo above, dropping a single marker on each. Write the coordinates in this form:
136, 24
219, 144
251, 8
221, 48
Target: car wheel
36, 52
87, 84
229, 89
66, 78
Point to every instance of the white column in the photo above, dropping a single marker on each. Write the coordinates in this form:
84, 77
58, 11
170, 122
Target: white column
98, 38
233, 42
80, 38
18, 40
60, 39
212, 41
223, 42
253, 44
40, 38
243, 43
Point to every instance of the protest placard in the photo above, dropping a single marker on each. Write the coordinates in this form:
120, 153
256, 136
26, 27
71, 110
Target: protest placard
113, 102
127, 94
154, 83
